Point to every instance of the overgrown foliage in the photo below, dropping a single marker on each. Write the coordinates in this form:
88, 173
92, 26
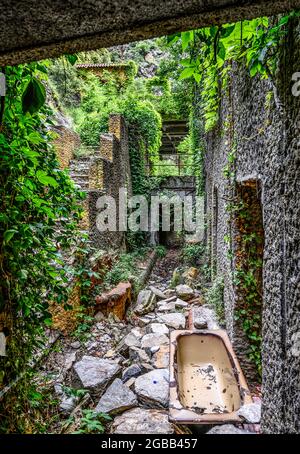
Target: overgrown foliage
38, 222
209, 53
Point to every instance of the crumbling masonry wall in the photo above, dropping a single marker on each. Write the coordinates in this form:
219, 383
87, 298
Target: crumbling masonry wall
109, 172
65, 144
260, 119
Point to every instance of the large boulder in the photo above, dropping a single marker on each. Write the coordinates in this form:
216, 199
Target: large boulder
142, 421
145, 302
153, 388
117, 398
95, 374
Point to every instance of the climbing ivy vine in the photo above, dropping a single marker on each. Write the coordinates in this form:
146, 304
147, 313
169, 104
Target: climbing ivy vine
209, 53
38, 222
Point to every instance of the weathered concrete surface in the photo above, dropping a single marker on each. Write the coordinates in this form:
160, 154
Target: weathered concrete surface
53, 28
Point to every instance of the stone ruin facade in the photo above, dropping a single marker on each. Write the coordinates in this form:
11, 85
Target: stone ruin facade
102, 172
263, 118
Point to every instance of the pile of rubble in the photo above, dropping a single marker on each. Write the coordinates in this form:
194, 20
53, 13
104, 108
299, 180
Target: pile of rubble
124, 367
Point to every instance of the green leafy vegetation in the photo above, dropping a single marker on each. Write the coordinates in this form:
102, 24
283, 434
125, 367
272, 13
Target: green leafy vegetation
214, 297
38, 223
92, 423
208, 54
192, 253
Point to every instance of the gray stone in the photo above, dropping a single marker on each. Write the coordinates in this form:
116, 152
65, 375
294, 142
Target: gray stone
117, 398
200, 323
67, 404
132, 341
207, 314
158, 293
75, 345
175, 320
180, 303
145, 302
166, 307
137, 332
154, 340
146, 367
139, 355
132, 371
158, 328
99, 316
153, 387
251, 413
154, 349
70, 359
184, 292
58, 389
95, 373
226, 429
142, 421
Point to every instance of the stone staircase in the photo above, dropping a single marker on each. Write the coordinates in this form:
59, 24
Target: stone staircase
80, 171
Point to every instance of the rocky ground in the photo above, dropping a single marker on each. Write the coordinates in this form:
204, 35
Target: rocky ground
121, 368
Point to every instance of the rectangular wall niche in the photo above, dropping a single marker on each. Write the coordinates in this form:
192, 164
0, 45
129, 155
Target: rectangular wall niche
248, 264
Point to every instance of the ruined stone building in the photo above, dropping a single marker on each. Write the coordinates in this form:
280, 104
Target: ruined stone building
251, 165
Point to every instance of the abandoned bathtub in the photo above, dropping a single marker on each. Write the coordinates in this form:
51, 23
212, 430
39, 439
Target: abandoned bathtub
207, 385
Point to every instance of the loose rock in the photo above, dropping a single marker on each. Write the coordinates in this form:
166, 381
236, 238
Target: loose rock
154, 340
142, 421
251, 413
226, 429
175, 320
117, 398
158, 328
132, 371
158, 293
95, 373
145, 302
161, 358
184, 292
153, 387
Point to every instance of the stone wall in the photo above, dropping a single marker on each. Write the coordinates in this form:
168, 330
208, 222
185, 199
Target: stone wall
65, 145
265, 134
111, 170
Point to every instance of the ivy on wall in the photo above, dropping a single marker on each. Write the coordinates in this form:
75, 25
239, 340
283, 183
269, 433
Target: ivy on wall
38, 222
210, 51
